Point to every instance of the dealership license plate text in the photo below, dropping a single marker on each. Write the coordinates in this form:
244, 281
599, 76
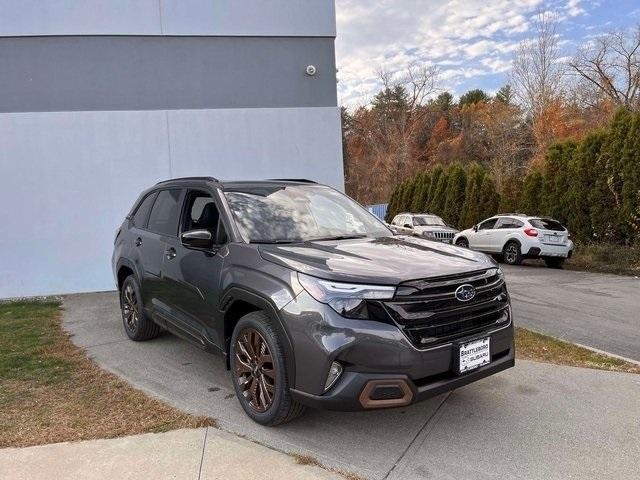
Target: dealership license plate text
474, 354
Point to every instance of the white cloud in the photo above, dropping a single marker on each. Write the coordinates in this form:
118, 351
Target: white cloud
574, 8
466, 38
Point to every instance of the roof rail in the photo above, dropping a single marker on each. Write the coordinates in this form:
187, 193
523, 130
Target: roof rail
206, 179
301, 180
515, 214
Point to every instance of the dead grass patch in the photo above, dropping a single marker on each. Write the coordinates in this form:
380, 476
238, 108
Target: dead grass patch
605, 258
543, 348
51, 392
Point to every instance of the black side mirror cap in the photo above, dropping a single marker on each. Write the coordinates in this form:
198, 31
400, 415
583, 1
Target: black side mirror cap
197, 239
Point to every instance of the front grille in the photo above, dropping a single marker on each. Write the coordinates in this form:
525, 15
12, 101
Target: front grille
442, 235
429, 313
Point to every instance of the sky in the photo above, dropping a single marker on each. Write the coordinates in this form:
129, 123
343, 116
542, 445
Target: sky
471, 41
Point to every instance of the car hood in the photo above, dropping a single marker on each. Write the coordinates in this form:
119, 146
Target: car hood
383, 261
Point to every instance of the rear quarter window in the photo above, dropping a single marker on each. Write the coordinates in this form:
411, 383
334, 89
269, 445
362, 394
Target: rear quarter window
546, 224
139, 218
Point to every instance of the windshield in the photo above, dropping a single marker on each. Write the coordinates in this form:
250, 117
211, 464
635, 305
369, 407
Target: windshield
428, 221
295, 213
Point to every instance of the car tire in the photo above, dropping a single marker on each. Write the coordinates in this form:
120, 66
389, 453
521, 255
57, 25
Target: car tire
462, 242
511, 254
259, 371
552, 262
137, 324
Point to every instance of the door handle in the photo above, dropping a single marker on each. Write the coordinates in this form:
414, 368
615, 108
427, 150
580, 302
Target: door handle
170, 253
138, 242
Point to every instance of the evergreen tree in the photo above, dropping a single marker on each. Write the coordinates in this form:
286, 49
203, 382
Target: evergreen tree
417, 192
407, 194
472, 201
444, 101
629, 214
391, 104
392, 205
473, 96
555, 189
436, 173
505, 95
489, 198
581, 183
531, 198
606, 195
439, 196
456, 187
420, 198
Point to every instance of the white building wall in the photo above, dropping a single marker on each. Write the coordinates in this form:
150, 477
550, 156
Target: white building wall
70, 177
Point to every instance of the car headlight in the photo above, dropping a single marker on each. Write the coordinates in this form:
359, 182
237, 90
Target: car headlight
348, 299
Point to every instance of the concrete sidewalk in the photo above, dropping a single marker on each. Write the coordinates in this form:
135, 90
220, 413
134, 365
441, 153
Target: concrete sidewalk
198, 454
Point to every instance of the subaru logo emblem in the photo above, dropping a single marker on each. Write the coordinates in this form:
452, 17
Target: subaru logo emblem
466, 292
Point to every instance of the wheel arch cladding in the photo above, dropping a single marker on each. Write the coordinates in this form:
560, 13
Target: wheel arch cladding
123, 272
238, 302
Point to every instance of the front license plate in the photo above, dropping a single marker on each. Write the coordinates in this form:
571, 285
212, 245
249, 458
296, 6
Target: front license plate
474, 354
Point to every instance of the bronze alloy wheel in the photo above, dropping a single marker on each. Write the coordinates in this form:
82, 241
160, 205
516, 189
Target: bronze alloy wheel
130, 307
254, 369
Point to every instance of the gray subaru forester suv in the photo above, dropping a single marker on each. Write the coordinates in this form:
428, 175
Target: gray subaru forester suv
310, 298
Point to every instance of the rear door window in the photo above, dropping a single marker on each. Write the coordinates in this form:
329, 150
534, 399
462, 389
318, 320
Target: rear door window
546, 224
165, 213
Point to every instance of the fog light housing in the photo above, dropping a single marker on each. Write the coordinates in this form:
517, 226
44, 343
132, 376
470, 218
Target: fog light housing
334, 374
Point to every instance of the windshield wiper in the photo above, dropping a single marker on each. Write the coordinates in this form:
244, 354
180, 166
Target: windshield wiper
337, 237
276, 241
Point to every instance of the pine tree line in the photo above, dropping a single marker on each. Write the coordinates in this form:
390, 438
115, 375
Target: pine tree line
461, 195
592, 186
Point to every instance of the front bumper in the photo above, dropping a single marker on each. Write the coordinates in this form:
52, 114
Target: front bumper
346, 395
375, 351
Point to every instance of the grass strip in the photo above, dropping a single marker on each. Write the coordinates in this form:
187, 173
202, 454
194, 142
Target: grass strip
543, 348
51, 392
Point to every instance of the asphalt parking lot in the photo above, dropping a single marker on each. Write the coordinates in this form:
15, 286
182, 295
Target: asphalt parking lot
535, 421
596, 310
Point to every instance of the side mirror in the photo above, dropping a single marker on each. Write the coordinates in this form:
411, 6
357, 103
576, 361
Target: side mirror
475, 228
406, 225
197, 239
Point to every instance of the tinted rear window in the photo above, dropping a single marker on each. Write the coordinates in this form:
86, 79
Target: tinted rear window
546, 224
165, 213
139, 218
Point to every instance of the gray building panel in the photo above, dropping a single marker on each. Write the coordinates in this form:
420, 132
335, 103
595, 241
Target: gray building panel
278, 18
255, 17
155, 73
79, 17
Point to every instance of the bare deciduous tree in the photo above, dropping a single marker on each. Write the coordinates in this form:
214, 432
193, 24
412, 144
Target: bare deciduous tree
610, 64
537, 73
